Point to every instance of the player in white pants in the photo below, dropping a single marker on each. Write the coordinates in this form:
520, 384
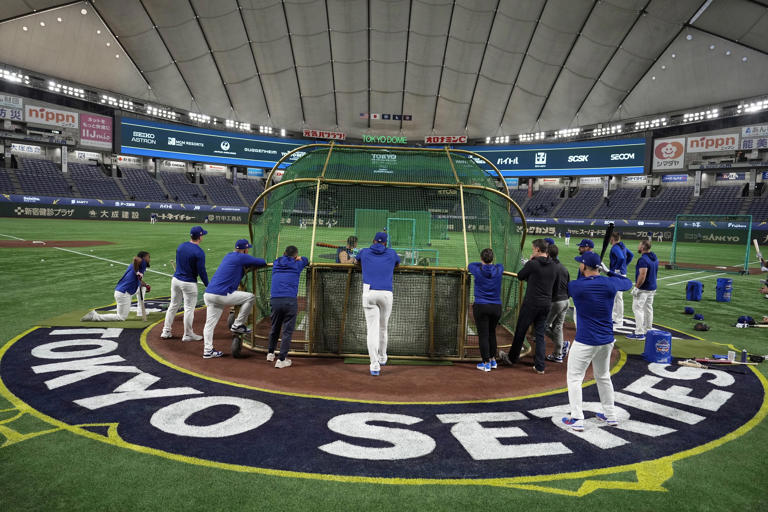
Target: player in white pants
190, 263
620, 257
222, 292
378, 264
125, 289
644, 290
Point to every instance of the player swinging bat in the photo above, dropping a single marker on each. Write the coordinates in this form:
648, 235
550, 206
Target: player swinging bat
763, 262
344, 253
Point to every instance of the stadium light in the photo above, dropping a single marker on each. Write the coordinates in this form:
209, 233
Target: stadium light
67, 90
114, 102
567, 132
691, 117
231, 123
652, 123
161, 112
200, 118
529, 137
603, 131
267, 130
752, 107
12, 76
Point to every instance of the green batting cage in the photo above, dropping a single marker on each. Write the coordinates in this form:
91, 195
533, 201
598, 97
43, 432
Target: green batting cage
712, 242
439, 208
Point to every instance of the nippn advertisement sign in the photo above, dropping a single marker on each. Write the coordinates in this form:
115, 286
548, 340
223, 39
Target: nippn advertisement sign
668, 154
43, 115
720, 142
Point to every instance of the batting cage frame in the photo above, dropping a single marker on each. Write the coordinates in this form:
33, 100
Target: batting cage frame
718, 243
352, 189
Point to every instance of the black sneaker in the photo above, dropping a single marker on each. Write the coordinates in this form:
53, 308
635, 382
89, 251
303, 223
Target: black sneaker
240, 329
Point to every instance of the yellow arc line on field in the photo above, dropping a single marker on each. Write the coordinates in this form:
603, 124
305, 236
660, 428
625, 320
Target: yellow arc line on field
619, 365
650, 474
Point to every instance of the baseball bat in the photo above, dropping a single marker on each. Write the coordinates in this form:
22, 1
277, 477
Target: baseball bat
142, 307
606, 240
757, 247
722, 361
323, 244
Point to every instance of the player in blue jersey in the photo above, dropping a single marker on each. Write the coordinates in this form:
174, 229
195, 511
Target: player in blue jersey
286, 271
222, 292
644, 291
125, 289
378, 264
593, 296
190, 263
487, 307
620, 257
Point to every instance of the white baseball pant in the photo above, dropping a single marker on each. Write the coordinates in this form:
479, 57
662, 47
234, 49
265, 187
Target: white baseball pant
642, 307
618, 309
181, 290
215, 306
377, 306
123, 301
580, 356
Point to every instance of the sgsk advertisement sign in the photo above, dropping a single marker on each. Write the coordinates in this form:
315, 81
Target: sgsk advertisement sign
668, 153
754, 131
720, 142
51, 117
321, 134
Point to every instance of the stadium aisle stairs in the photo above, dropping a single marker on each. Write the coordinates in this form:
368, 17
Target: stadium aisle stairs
14, 181
241, 196
72, 185
120, 185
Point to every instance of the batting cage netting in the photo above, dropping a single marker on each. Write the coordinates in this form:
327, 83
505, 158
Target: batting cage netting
712, 242
439, 209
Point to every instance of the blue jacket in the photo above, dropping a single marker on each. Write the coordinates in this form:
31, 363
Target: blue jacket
190, 263
487, 282
651, 262
231, 271
285, 276
378, 263
593, 299
129, 283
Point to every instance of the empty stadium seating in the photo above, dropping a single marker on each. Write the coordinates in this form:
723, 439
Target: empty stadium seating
520, 197
92, 182
221, 192
759, 209
42, 177
669, 203
719, 200
621, 205
141, 186
6, 185
182, 190
581, 204
250, 189
543, 202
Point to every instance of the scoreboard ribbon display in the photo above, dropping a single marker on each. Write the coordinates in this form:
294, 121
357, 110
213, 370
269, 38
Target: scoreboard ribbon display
147, 138
624, 156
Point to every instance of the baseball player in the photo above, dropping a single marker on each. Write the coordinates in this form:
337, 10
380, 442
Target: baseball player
286, 271
378, 264
190, 263
644, 290
347, 253
593, 295
620, 257
584, 246
567, 238
556, 316
487, 307
125, 289
222, 292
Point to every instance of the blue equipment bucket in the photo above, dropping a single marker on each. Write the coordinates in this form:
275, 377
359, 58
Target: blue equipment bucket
693, 290
658, 347
723, 289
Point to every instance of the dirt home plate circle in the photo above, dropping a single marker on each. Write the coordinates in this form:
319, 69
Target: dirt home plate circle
108, 384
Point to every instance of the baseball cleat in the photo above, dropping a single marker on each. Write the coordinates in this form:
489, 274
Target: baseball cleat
283, 364
375, 369
240, 329
89, 316
271, 356
166, 335
191, 337
383, 362
602, 417
212, 354
577, 425
554, 358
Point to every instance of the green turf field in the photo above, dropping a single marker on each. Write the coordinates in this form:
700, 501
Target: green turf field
68, 472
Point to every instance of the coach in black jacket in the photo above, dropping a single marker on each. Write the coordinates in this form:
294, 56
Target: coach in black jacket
542, 276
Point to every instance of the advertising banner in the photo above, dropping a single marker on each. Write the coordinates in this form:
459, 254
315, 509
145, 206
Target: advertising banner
11, 114
214, 167
765, 175
588, 158
668, 154
730, 176
671, 178
43, 115
754, 131
11, 107
148, 138
96, 131
720, 142
87, 155
550, 181
129, 161
174, 164
512, 182
320, 134
445, 139
755, 143
26, 148
637, 180
9, 101
593, 180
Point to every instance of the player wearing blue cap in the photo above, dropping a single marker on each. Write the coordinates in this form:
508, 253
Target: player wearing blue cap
586, 245
190, 263
644, 290
567, 238
593, 295
619, 259
487, 307
378, 264
125, 289
286, 271
222, 292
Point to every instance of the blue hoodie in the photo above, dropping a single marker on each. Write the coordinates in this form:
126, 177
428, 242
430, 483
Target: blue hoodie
620, 258
487, 282
190, 263
285, 276
651, 262
378, 263
593, 299
129, 283
231, 270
